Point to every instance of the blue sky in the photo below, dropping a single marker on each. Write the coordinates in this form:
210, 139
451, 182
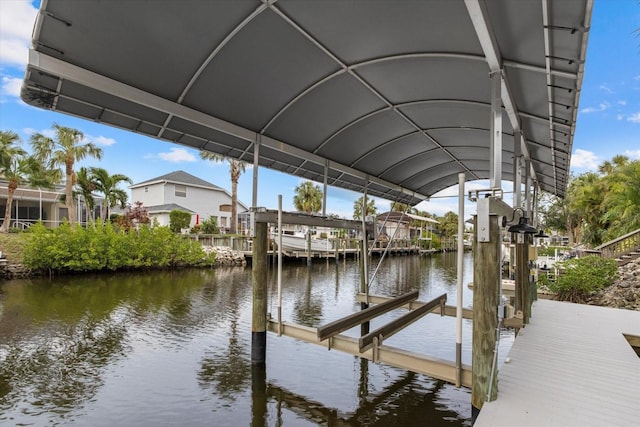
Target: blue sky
608, 118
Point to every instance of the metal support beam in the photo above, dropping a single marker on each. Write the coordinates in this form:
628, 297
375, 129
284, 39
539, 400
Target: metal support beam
348, 322
459, 271
517, 169
434, 367
271, 216
367, 341
324, 188
256, 160
495, 141
449, 310
528, 185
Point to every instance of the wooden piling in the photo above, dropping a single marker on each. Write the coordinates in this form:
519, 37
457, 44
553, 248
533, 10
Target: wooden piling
259, 410
259, 313
486, 282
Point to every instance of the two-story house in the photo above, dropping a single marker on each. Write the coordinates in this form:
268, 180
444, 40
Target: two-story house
180, 190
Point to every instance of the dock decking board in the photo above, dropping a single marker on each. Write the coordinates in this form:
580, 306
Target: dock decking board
571, 366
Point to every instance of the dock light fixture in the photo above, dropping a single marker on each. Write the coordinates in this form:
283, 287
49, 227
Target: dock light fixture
541, 234
522, 227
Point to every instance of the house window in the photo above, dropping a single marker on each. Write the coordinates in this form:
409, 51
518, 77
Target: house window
146, 189
181, 191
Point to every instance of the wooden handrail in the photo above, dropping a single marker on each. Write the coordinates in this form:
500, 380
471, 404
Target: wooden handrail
623, 245
619, 239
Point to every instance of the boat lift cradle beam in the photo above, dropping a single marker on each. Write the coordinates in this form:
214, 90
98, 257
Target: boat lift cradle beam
359, 317
449, 310
374, 338
431, 366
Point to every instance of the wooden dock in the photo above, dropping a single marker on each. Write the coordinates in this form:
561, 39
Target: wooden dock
572, 365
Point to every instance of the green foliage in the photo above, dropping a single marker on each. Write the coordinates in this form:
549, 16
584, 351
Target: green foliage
448, 224
178, 220
209, 226
71, 248
551, 250
579, 277
308, 198
598, 206
436, 243
370, 210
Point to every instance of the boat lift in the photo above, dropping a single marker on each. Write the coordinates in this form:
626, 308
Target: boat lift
370, 345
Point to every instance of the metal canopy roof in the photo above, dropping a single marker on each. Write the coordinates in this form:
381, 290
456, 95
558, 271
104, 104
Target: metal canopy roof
391, 93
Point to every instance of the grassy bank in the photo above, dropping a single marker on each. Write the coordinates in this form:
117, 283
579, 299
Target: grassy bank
12, 246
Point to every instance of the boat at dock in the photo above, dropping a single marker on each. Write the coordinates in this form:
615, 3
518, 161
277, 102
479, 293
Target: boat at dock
298, 242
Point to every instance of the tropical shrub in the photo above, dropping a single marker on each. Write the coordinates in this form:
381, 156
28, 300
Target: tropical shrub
178, 220
578, 277
71, 248
209, 226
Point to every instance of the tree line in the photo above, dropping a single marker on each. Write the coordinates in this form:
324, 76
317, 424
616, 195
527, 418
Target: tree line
599, 206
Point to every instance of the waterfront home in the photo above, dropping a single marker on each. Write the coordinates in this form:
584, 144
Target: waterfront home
180, 190
32, 204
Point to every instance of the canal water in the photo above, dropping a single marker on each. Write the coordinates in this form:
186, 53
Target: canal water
173, 349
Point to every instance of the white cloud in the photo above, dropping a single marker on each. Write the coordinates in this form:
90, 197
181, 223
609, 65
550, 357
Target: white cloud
50, 133
622, 102
175, 155
634, 118
636, 77
101, 140
605, 88
602, 107
16, 25
583, 159
11, 86
633, 154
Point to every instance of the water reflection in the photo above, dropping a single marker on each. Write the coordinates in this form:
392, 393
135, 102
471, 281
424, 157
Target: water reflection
307, 309
410, 400
225, 368
173, 348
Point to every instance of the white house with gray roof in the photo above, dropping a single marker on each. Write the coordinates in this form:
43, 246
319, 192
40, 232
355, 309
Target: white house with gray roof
183, 191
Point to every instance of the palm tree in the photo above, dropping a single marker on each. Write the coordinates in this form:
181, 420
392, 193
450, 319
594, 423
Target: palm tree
108, 185
357, 208
622, 200
20, 170
86, 185
308, 198
586, 202
63, 151
8, 146
236, 168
